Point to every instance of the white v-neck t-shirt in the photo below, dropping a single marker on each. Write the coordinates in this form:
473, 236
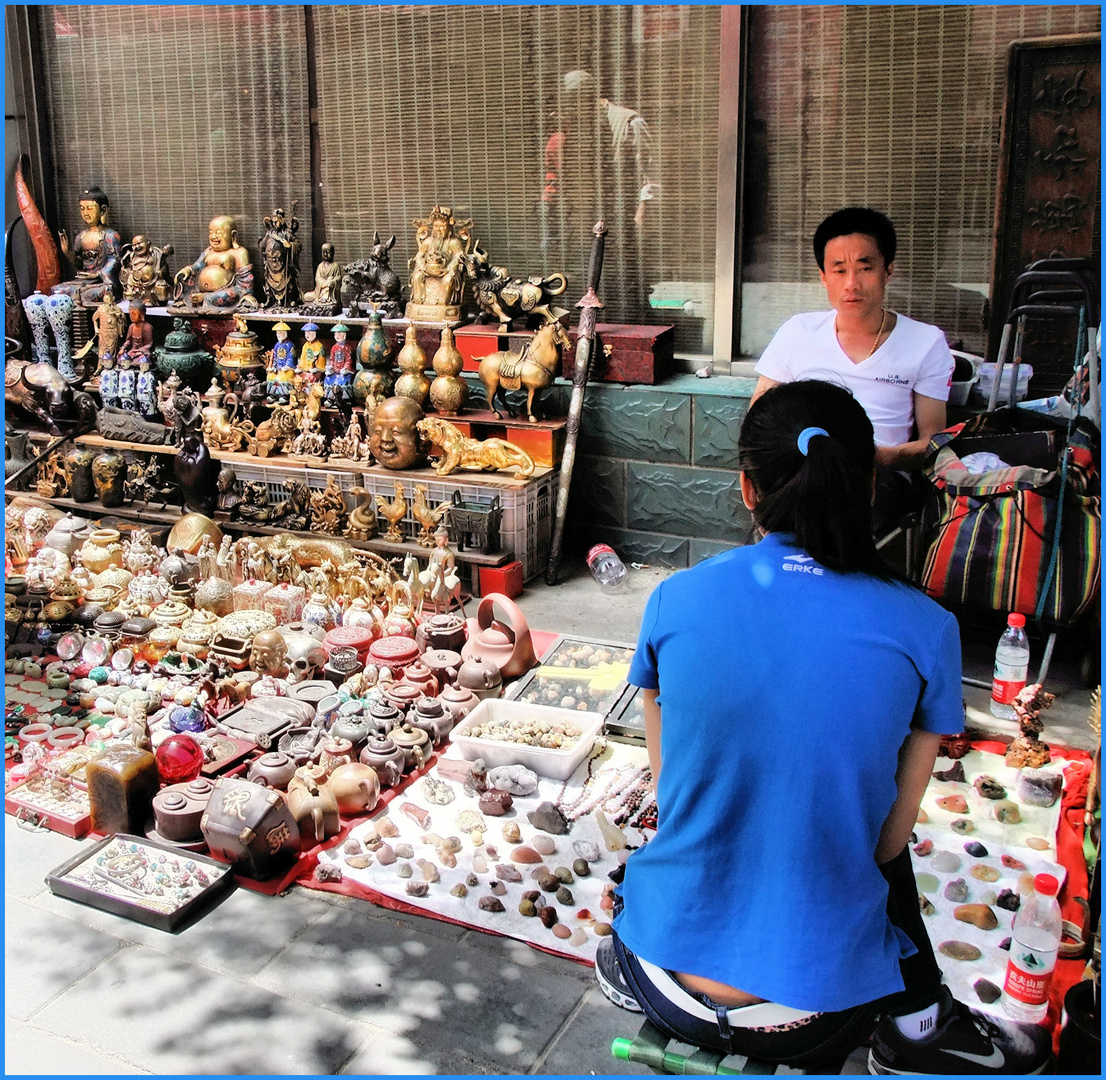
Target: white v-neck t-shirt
914, 358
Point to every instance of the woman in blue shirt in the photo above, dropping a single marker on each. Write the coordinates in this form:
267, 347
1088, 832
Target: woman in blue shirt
804, 691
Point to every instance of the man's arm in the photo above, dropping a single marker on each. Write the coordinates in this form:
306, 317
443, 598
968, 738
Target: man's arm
916, 758
652, 711
763, 383
929, 418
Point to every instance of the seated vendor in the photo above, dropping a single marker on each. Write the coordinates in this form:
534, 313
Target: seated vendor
775, 912
900, 370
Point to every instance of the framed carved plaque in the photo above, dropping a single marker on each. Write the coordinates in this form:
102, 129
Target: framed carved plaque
1049, 185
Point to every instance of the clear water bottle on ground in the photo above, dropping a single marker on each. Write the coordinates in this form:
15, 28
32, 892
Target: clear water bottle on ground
606, 567
1036, 941
1011, 668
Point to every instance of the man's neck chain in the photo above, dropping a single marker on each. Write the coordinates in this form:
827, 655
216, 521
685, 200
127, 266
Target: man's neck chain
879, 333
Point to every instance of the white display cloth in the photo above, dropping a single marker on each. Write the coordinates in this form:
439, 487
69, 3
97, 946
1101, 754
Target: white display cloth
999, 840
607, 757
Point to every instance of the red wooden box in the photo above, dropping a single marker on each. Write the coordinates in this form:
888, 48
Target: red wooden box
476, 342
35, 801
626, 354
502, 579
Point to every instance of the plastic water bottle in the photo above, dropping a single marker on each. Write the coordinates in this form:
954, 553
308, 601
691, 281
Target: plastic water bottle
606, 567
1011, 667
1033, 948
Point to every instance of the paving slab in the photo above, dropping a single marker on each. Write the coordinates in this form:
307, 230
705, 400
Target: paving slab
239, 936
44, 954
30, 1051
478, 1003
168, 1016
29, 855
584, 1044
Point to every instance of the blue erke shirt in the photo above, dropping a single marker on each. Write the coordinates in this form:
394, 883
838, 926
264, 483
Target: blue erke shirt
786, 691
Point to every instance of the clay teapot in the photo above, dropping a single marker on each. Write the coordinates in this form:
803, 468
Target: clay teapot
482, 677
385, 758
403, 694
443, 663
458, 701
385, 716
355, 726
505, 644
414, 743
420, 675
441, 631
429, 715
274, 770
316, 813
355, 787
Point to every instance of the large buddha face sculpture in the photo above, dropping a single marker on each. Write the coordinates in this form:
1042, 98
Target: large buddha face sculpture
269, 655
395, 441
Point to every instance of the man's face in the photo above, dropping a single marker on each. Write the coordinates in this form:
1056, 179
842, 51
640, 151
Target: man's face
394, 440
855, 275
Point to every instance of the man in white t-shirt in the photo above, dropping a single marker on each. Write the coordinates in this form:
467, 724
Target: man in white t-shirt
900, 370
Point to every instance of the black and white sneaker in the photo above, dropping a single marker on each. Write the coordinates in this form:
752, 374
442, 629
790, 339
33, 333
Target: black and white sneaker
608, 973
962, 1042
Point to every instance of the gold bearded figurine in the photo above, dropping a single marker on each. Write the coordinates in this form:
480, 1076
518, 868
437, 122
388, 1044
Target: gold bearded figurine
438, 267
461, 452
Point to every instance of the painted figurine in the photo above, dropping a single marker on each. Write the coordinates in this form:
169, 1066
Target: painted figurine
312, 359
139, 341
221, 278
326, 298
128, 383
109, 322
280, 258
146, 389
282, 366
109, 383
145, 272
338, 381
94, 252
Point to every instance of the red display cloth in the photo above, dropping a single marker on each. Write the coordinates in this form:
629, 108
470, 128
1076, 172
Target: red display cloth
1069, 853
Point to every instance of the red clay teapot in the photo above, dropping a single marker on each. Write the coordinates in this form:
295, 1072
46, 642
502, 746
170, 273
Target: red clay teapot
505, 644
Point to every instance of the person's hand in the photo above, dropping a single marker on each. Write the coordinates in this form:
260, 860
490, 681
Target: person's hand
63, 241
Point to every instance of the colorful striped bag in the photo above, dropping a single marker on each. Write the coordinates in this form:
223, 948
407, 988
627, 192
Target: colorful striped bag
994, 538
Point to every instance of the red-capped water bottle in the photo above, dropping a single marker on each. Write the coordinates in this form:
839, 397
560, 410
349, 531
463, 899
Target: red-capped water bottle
1011, 668
606, 567
1035, 941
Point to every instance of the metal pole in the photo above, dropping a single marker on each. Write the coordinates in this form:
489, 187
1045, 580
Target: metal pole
585, 339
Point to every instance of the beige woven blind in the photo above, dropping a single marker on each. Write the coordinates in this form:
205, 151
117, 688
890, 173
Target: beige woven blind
180, 113
895, 107
456, 104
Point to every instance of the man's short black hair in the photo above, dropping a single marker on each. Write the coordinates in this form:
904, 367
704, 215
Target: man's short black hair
856, 219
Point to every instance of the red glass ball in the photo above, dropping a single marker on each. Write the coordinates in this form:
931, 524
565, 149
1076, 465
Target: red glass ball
179, 759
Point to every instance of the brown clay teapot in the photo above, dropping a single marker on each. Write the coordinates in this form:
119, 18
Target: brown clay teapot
429, 715
441, 631
387, 759
316, 813
458, 701
505, 644
414, 743
356, 788
481, 677
443, 664
274, 770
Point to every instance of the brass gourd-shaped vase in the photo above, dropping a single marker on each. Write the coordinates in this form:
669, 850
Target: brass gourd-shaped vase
412, 383
448, 392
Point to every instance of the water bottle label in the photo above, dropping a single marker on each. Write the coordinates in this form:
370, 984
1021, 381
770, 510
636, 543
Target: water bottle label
1029, 973
1009, 681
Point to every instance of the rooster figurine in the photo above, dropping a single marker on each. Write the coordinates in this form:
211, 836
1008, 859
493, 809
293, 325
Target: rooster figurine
428, 517
394, 511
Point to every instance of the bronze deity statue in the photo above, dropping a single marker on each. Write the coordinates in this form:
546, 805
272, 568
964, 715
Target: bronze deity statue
438, 267
221, 279
326, 298
94, 252
280, 259
145, 272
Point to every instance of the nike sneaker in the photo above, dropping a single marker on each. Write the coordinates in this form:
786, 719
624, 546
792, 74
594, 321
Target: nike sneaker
608, 973
962, 1042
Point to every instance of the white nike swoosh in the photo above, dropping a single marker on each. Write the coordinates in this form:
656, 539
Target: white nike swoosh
993, 1060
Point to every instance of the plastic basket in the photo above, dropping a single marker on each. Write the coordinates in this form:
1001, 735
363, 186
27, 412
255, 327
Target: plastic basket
273, 475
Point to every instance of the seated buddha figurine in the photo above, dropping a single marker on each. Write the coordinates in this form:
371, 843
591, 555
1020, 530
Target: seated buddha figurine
438, 267
94, 252
145, 272
326, 298
221, 278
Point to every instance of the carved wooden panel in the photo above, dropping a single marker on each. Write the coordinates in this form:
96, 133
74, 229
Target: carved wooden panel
1049, 187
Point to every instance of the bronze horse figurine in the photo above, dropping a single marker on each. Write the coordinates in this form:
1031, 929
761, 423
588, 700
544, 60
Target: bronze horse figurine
534, 367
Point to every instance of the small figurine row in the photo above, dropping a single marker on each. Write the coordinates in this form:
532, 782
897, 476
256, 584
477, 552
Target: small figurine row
335, 369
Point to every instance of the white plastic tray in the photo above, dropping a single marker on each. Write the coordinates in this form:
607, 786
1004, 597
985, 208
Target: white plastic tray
554, 764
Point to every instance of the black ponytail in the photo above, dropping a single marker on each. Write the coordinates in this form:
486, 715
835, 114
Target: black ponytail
823, 497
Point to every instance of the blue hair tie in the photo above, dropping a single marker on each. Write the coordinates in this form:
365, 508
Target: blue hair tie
806, 435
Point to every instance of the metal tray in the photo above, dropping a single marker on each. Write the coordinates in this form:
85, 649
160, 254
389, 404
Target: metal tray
143, 880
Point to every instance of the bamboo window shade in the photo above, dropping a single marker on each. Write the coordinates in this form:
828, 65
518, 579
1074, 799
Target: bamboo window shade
455, 105
180, 113
896, 107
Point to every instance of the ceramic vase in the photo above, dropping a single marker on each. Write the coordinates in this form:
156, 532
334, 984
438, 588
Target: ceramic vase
35, 306
59, 309
82, 488
109, 474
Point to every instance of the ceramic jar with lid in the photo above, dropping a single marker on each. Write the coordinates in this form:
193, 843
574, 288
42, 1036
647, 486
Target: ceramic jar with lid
480, 676
146, 589
170, 613
249, 594
354, 637
458, 701
284, 602
400, 622
442, 631
395, 652
101, 550
322, 611
442, 664
103, 596
415, 744
68, 535
387, 759
214, 594
360, 613
82, 488
274, 769
430, 715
